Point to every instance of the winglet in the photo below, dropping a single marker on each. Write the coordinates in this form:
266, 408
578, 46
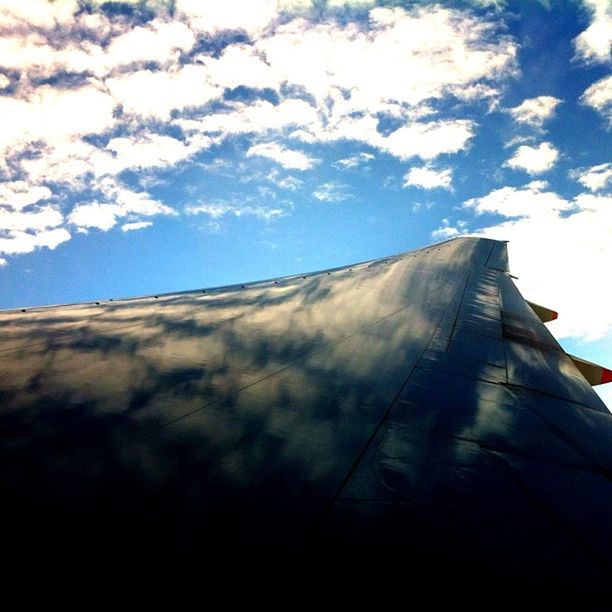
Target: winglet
595, 374
545, 314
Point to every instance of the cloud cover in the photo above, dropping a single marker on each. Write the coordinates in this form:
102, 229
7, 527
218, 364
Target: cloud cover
103, 95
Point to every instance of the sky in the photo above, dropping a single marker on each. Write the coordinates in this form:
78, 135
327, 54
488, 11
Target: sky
165, 145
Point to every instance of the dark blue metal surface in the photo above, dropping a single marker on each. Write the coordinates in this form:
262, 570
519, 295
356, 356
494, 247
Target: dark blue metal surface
412, 407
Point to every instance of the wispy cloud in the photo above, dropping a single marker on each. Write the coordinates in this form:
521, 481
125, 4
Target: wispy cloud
218, 209
291, 183
331, 192
354, 161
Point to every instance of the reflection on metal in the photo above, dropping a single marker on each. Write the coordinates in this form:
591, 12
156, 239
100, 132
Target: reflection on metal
412, 406
545, 314
595, 374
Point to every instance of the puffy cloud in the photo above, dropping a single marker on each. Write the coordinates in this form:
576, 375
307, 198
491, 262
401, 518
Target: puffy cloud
65, 161
43, 218
130, 227
560, 249
102, 109
144, 151
331, 192
19, 194
529, 201
429, 178
561, 259
17, 242
211, 16
288, 158
260, 116
354, 161
428, 140
535, 111
441, 52
534, 160
240, 65
40, 13
156, 94
159, 41
594, 178
95, 215
593, 45
52, 115
599, 97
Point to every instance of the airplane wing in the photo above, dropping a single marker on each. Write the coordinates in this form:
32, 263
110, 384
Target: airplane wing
412, 407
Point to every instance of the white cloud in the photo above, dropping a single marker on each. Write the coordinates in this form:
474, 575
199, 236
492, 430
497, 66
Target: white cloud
53, 115
95, 215
535, 111
428, 140
343, 85
117, 202
219, 209
145, 151
331, 192
19, 194
559, 248
156, 94
429, 178
594, 178
42, 218
354, 161
288, 158
159, 41
599, 97
240, 64
284, 182
593, 45
562, 256
211, 16
441, 51
41, 13
258, 117
529, 201
130, 227
18, 241
534, 160
447, 230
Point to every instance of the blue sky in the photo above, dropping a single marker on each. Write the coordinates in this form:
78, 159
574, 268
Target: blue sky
158, 146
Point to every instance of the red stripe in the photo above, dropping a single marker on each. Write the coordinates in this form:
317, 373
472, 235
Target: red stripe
606, 375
